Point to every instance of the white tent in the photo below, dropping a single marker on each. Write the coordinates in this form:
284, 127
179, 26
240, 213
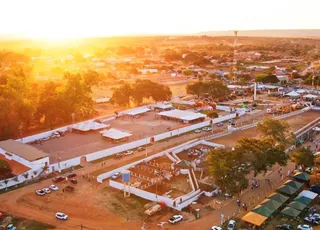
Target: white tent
115, 134
89, 125
135, 111
293, 94
182, 102
308, 194
182, 115
310, 96
301, 91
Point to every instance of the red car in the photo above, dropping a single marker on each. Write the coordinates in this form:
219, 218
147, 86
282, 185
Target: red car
58, 179
71, 175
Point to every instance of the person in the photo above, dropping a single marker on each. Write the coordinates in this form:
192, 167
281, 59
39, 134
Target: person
238, 203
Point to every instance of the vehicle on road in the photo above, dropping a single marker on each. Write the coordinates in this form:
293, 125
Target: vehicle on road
315, 188
197, 131
141, 149
284, 227
304, 227
129, 152
58, 179
71, 175
175, 219
116, 175
216, 228
46, 190
40, 192
74, 181
54, 187
231, 224
61, 216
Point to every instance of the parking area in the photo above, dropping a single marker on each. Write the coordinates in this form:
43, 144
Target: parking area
77, 144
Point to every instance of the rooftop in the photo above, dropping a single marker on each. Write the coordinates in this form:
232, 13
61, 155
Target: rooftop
22, 150
182, 114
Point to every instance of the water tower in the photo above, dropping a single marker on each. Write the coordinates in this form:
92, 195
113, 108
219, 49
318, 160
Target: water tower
126, 182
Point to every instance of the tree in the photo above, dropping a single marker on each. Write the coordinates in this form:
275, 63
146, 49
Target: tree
302, 156
212, 114
6, 181
260, 77
5, 170
225, 166
16, 180
121, 96
277, 130
26, 175
261, 153
213, 89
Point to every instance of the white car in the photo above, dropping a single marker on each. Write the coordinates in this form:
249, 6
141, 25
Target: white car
248, 110
40, 192
54, 187
216, 228
129, 152
46, 190
175, 219
231, 225
61, 216
116, 175
197, 131
207, 129
312, 220
304, 227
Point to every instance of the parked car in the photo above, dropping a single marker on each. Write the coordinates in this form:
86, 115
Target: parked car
220, 124
74, 181
248, 110
40, 192
129, 152
11, 227
54, 187
304, 227
231, 224
315, 189
71, 175
46, 190
284, 227
175, 219
216, 228
206, 129
312, 220
197, 131
116, 175
141, 149
58, 179
61, 216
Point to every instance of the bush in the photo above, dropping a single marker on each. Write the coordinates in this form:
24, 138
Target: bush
212, 114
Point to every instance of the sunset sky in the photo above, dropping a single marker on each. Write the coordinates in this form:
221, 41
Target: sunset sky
87, 18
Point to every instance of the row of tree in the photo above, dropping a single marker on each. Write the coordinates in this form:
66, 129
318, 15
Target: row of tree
229, 168
139, 91
24, 102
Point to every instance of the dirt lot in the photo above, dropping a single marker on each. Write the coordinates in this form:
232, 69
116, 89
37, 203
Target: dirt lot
295, 122
76, 144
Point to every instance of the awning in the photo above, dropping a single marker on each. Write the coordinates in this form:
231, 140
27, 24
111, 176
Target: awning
115, 134
271, 204
303, 200
288, 211
278, 197
294, 184
308, 194
287, 190
293, 94
297, 205
262, 210
302, 176
254, 218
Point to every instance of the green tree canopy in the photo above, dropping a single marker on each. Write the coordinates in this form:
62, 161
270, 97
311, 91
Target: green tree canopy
227, 170
213, 89
302, 156
276, 130
5, 170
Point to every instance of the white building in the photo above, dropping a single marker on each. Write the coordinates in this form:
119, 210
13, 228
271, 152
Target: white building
24, 154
